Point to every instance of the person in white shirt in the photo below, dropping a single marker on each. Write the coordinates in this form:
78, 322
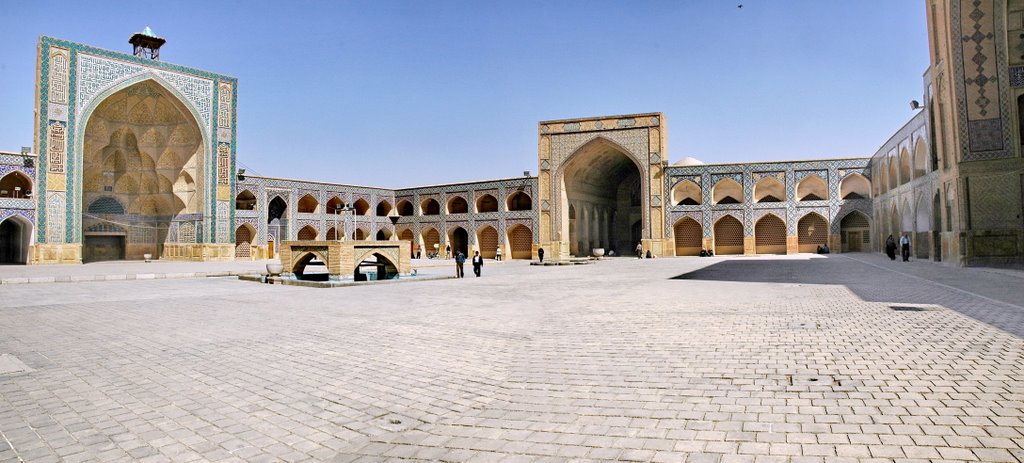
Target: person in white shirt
905, 247
478, 262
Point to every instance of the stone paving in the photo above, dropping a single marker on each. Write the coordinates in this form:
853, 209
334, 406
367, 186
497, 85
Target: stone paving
784, 359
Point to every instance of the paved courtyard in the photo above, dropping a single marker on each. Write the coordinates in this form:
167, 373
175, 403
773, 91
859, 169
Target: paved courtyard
799, 358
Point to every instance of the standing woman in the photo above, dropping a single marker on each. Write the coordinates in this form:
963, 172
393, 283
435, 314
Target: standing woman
890, 247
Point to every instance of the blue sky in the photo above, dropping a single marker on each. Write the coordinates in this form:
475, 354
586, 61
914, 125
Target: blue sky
404, 93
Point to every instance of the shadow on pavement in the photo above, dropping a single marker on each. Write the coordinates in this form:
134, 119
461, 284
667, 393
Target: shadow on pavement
869, 283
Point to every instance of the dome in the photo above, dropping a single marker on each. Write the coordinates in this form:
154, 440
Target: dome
688, 161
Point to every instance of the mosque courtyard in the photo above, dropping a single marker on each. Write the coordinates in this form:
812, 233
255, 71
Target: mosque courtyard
769, 359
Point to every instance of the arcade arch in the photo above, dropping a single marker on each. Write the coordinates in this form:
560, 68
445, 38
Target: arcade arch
769, 190
406, 234
519, 201
686, 193
487, 240
728, 236
277, 223
383, 208
459, 239
405, 208
906, 218
770, 235
894, 177
307, 233
923, 215
727, 191
430, 238
812, 188
812, 231
458, 205
520, 239
335, 205
486, 203
855, 232
15, 185
245, 236
308, 204
430, 206
362, 207
855, 186
920, 159
245, 201
905, 168
689, 237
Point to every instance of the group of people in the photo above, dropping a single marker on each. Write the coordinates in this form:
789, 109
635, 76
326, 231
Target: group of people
890, 247
460, 261
417, 253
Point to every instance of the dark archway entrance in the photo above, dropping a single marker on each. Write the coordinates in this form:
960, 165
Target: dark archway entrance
277, 229
601, 184
15, 236
460, 242
855, 232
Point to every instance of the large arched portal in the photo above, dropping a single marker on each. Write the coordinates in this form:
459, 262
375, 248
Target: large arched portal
143, 151
601, 179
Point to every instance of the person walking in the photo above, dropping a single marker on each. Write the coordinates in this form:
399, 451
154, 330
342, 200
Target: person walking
890, 247
540, 254
447, 251
460, 259
905, 247
497, 254
478, 263
639, 251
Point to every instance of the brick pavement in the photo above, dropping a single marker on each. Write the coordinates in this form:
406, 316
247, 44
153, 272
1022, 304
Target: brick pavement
719, 360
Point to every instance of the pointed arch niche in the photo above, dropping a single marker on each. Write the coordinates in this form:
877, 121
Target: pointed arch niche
142, 145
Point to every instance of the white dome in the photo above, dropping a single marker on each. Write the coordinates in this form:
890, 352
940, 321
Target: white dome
688, 161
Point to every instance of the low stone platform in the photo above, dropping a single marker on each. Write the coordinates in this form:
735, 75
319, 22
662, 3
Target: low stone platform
343, 258
339, 284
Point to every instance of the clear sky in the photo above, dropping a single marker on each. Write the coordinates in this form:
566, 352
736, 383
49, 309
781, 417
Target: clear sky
406, 93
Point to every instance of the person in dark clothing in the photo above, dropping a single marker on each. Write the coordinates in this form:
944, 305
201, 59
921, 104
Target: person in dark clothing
460, 259
478, 262
540, 254
890, 247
